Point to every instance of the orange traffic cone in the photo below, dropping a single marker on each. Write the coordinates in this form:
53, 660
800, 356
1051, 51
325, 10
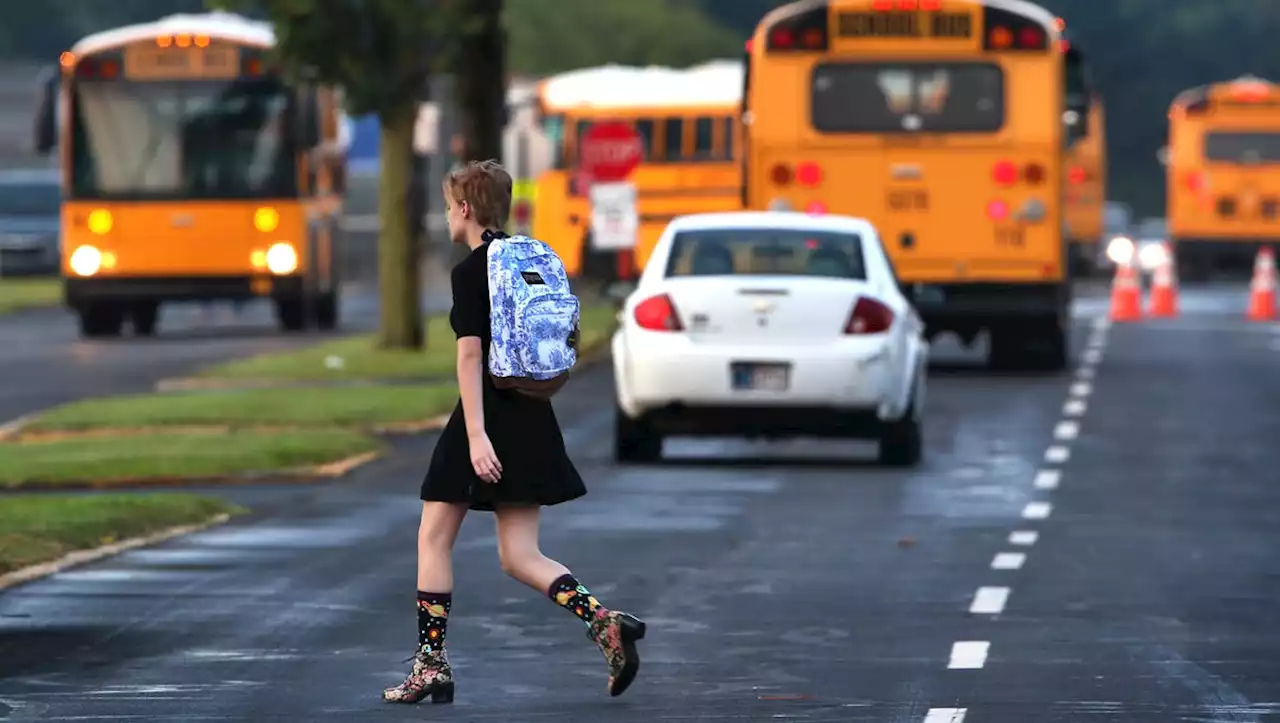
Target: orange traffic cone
1262, 289
1126, 295
1164, 288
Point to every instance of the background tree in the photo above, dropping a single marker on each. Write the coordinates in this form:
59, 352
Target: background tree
381, 53
480, 64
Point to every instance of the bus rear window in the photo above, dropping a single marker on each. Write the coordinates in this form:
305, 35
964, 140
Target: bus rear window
1244, 148
907, 98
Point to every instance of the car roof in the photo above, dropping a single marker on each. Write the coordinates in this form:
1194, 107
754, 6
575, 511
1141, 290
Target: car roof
771, 220
14, 176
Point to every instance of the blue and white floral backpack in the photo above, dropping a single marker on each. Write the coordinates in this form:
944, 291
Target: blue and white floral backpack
533, 317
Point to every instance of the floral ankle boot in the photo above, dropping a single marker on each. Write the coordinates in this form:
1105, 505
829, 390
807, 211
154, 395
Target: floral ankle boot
616, 633
431, 675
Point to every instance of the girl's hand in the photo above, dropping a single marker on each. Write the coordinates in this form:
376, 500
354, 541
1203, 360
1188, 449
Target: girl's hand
483, 459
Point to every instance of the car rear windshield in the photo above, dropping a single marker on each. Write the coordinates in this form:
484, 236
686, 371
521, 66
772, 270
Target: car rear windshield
907, 97
766, 252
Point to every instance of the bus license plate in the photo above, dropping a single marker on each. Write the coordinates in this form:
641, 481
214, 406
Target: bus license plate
760, 377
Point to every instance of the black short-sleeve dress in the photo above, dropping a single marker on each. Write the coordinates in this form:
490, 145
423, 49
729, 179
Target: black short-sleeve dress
524, 431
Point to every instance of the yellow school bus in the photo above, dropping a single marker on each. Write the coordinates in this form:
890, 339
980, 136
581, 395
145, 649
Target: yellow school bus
944, 123
1086, 190
688, 123
192, 171
1223, 176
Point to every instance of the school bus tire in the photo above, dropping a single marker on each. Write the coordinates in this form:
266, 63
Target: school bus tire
291, 313
100, 320
325, 311
144, 316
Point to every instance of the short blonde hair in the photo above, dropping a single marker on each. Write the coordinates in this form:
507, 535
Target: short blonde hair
486, 187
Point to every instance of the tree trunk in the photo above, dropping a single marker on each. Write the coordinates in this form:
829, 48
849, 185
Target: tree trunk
482, 82
398, 280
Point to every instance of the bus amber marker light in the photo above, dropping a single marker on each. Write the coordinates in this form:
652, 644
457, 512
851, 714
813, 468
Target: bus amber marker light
266, 219
100, 222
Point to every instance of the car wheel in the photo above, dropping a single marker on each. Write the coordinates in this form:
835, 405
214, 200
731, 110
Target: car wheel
634, 440
902, 440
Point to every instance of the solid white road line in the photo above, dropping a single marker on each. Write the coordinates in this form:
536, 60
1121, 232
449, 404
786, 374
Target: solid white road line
989, 600
968, 654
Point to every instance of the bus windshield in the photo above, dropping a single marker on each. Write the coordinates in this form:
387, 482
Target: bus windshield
850, 97
190, 139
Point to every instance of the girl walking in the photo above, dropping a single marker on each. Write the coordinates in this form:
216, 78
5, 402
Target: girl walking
501, 451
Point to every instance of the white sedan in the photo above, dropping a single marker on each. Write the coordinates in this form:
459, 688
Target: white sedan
769, 325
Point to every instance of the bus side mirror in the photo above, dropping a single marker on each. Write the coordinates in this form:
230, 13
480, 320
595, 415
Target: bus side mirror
46, 120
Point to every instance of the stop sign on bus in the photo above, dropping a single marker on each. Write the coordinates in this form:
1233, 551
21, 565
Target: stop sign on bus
610, 151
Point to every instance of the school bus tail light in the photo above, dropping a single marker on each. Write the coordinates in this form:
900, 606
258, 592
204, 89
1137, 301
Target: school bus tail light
805, 31
1077, 175
85, 261
1034, 173
781, 174
1005, 173
1010, 31
1194, 181
997, 210
809, 174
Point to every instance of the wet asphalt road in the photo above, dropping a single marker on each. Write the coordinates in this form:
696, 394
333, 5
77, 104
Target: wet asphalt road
44, 362
1092, 546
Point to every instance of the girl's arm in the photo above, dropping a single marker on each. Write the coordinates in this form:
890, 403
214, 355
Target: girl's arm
470, 361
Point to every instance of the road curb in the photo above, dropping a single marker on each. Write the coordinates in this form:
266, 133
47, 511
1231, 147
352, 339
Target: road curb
222, 384
81, 557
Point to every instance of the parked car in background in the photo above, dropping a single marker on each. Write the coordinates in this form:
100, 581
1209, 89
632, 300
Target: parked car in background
30, 204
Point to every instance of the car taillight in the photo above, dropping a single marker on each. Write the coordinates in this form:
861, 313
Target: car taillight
1005, 173
869, 317
658, 314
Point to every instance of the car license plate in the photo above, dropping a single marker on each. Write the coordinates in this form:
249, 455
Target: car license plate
760, 377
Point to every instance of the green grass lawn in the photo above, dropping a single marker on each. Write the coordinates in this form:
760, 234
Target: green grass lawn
172, 455
361, 359
367, 406
27, 293
39, 528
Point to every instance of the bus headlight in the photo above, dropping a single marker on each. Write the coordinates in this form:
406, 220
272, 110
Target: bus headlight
100, 222
282, 259
86, 261
1152, 256
1120, 251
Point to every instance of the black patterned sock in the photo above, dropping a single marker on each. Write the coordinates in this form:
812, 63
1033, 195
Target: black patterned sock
575, 597
433, 619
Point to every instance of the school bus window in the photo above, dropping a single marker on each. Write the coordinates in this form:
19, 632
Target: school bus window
1242, 148
673, 132
217, 139
553, 128
907, 97
644, 128
704, 145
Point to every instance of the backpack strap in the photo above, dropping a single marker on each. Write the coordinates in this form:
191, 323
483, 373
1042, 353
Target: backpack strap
490, 234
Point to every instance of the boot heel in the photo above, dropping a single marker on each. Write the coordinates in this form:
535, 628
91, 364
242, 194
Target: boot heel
632, 627
442, 692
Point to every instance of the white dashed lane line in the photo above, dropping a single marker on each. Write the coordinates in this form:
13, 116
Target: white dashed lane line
968, 654
991, 600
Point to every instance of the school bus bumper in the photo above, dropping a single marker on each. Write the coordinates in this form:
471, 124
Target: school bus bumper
78, 292
968, 308
1201, 256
